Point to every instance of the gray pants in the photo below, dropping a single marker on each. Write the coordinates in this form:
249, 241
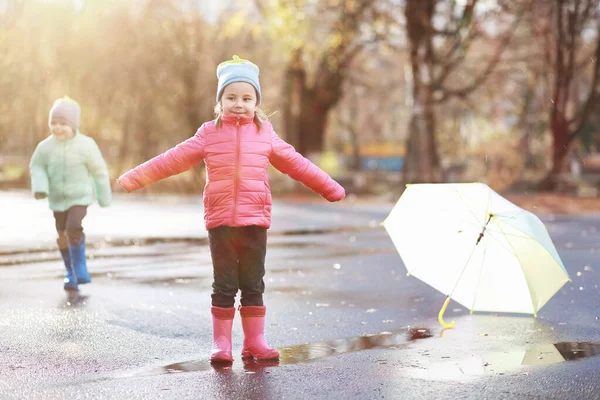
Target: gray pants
238, 257
69, 226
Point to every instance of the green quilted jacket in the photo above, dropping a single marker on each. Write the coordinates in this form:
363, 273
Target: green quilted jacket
71, 172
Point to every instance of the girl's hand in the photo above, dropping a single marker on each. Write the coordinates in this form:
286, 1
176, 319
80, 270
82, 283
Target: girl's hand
118, 187
40, 195
336, 195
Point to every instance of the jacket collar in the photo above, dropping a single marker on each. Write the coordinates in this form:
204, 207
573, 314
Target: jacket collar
234, 119
65, 140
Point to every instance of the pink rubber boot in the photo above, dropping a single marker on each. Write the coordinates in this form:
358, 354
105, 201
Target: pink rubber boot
222, 323
253, 323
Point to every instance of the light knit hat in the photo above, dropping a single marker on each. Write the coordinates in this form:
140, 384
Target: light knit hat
238, 70
67, 111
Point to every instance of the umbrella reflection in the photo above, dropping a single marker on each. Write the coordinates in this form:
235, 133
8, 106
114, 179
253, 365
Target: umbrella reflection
498, 363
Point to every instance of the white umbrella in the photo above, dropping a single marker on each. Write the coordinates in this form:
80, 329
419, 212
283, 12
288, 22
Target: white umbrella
476, 247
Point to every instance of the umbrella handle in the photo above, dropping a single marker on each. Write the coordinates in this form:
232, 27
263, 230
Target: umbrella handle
441, 314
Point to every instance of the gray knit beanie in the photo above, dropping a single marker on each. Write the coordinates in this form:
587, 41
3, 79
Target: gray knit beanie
67, 111
238, 70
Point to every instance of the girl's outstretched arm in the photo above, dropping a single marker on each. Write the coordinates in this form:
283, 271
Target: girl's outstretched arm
172, 162
287, 160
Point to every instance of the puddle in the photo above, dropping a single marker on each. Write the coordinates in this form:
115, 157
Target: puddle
74, 300
301, 232
544, 354
292, 289
304, 352
577, 350
313, 351
202, 241
54, 256
168, 281
50, 253
419, 333
503, 363
498, 363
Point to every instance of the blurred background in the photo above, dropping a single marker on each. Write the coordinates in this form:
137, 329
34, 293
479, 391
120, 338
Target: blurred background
379, 93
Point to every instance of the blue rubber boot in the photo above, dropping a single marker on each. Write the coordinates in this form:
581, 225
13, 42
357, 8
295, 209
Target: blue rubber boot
77, 253
70, 281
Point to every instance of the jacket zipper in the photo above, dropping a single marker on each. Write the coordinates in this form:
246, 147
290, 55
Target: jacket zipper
236, 171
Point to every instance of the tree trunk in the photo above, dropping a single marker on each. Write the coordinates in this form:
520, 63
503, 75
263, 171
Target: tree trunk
422, 161
562, 141
293, 91
570, 19
306, 109
524, 123
355, 164
312, 124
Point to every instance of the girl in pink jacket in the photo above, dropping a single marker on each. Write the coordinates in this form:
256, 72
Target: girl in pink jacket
237, 148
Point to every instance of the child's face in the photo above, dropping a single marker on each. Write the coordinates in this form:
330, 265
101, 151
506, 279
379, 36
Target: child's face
239, 98
61, 130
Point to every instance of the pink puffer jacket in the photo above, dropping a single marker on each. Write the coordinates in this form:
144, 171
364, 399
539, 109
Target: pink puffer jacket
237, 155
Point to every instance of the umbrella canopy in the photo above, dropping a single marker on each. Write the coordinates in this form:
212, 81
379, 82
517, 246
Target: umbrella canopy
476, 247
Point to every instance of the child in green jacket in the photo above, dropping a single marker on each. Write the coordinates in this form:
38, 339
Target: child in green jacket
67, 168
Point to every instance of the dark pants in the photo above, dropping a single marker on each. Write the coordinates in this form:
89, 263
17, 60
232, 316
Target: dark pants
68, 226
238, 256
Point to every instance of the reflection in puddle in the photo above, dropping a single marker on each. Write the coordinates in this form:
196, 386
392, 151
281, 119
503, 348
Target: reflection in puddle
249, 365
24, 256
419, 333
316, 350
500, 363
74, 300
574, 350
550, 353
307, 352
169, 281
489, 364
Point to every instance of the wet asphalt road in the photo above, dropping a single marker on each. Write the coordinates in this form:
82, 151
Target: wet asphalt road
347, 320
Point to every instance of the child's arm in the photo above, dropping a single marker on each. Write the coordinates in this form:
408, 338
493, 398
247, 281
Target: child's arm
172, 162
99, 172
287, 160
39, 176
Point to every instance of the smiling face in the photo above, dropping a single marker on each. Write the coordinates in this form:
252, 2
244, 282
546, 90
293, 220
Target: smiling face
61, 130
239, 98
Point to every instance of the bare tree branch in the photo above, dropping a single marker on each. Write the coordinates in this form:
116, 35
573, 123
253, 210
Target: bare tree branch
460, 23
594, 94
462, 92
